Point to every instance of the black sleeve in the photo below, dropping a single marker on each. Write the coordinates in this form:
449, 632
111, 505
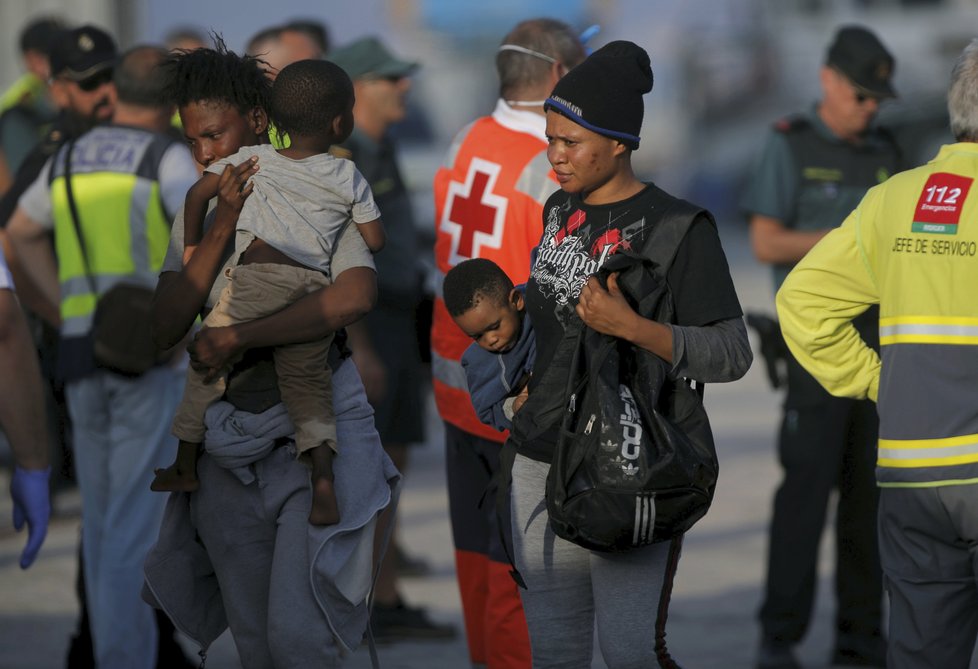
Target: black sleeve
26, 175
700, 280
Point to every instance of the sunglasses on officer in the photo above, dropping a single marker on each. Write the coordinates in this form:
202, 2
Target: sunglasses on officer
863, 98
860, 95
89, 84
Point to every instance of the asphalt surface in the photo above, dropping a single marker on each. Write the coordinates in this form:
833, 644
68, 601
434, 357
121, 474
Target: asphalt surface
717, 591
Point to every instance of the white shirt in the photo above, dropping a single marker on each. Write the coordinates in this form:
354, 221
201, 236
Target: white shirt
518, 120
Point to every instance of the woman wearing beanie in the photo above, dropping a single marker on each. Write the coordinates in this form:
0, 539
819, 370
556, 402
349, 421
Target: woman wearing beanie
594, 117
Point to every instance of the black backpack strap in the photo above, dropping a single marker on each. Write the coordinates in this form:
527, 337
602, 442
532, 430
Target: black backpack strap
668, 232
658, 250
676, 222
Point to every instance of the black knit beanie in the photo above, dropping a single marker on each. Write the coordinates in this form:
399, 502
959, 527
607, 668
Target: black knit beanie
604, 93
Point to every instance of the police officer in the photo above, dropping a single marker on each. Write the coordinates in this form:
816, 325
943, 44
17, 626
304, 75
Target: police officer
814, 169
81, 61
127, 180
384, 343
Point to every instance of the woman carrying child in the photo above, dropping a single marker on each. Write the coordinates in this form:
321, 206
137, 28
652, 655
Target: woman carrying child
304, 197
594, 116
291, 593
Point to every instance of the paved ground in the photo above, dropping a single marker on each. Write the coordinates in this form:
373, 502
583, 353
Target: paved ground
717, 590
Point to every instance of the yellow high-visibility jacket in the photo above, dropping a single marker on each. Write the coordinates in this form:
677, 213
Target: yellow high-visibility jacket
911, 246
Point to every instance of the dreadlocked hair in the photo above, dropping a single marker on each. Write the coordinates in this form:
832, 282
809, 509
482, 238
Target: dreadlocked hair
217, 75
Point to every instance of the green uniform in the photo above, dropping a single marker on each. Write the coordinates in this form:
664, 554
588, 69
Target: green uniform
810, 179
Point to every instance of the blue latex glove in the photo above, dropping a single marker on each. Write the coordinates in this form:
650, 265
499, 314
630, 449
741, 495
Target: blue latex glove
31, 495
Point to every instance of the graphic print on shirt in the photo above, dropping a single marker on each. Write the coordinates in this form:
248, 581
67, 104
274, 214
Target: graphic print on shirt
474, 215
572, 251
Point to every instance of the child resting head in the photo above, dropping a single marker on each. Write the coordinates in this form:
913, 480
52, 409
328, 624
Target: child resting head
482, 301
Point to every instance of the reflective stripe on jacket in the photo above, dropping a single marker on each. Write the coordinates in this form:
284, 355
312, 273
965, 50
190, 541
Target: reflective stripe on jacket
912, 247
114, 178
126, 229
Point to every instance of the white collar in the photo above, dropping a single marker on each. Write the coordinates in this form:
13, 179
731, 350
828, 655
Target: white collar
518, 120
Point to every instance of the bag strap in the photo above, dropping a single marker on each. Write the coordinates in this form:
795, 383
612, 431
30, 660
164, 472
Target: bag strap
661, 247
73, 208
667, 234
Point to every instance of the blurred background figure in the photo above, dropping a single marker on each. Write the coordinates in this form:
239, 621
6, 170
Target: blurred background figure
385, 344
285, 44
22, 421
26, 108
297, 30
81, 104
121, 182
815, 168
185, 38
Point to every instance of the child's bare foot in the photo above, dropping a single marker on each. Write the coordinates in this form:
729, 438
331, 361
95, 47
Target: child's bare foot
325, 508
173, 479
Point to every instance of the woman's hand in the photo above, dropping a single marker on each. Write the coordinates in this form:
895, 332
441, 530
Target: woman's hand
607, 311
521, 398
214, 350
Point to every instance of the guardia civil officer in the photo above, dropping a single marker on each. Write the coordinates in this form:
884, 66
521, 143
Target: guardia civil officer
814, 169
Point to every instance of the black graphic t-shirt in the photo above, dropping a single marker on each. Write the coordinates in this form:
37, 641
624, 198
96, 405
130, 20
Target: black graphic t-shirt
578, 239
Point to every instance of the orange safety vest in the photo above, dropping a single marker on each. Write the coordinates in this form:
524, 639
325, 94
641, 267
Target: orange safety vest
489, 196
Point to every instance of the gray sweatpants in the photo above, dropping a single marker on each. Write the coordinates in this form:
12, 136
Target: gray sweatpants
929, 553
257, 538
569, 588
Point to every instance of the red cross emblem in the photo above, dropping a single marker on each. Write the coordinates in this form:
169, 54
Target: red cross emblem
474, 216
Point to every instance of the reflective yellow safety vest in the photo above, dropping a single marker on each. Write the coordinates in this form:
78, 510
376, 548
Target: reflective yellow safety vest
912, 247
26, 90
115, 182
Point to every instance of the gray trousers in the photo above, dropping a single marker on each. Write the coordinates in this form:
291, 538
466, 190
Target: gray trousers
929, 553
569, 588
256, 537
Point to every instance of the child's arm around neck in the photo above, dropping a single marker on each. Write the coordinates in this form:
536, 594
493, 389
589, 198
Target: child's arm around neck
198, 199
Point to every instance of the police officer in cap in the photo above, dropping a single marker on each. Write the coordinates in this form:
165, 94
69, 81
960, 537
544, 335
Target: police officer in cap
84, 62
814, 169
81, 61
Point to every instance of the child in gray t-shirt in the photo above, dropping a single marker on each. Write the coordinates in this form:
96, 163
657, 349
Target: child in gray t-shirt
298, 202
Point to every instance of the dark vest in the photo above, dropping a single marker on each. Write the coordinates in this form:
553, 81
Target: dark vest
833, 176
535, 426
